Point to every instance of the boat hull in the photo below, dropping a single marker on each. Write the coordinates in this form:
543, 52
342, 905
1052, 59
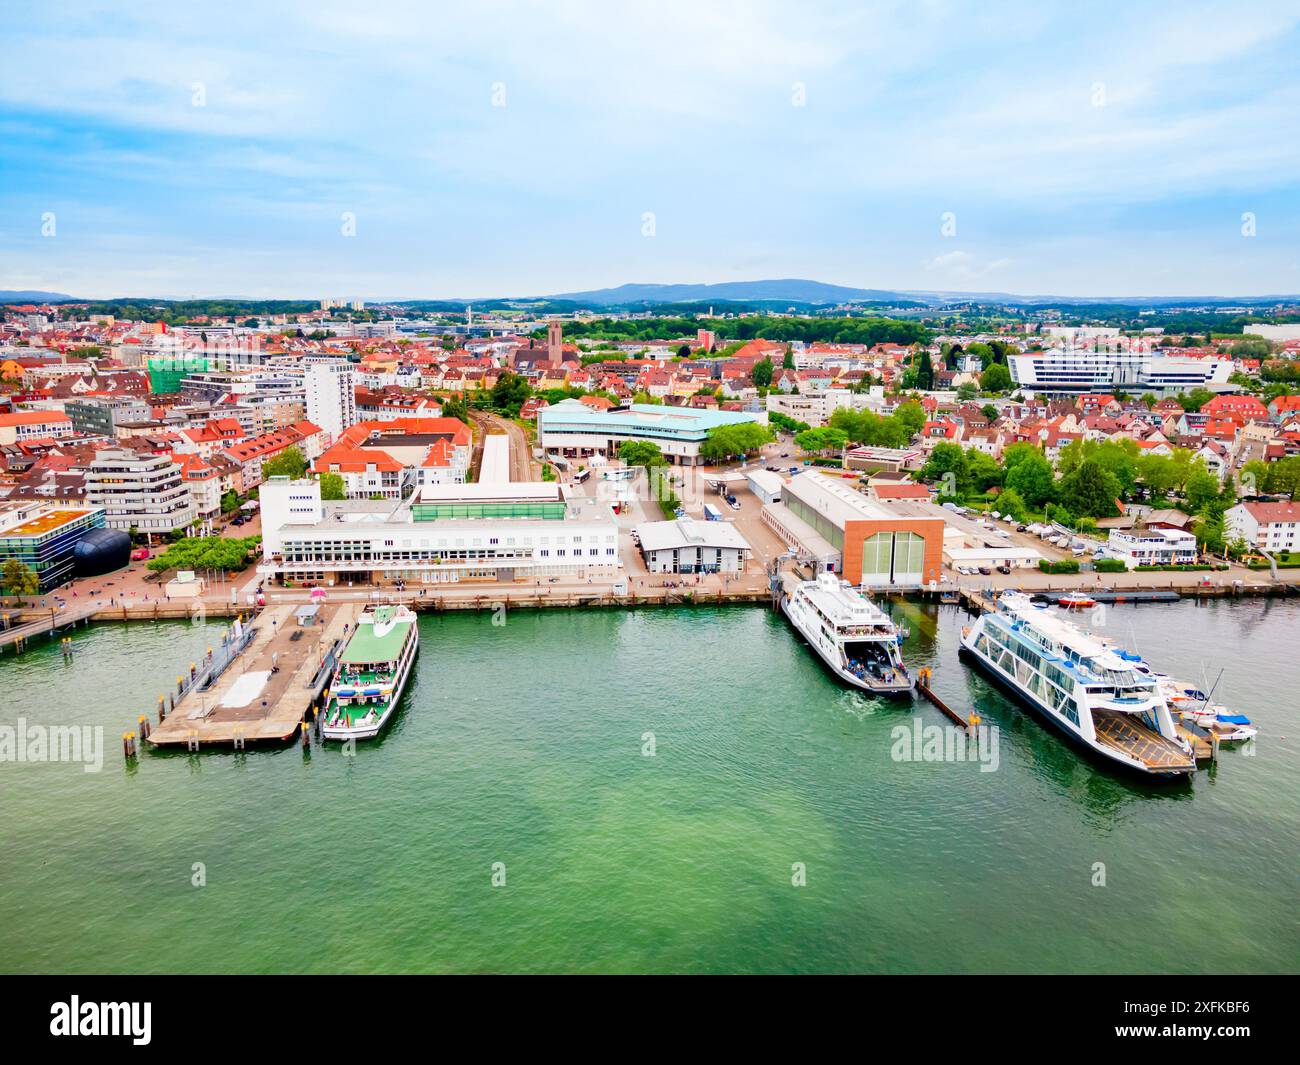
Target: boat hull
896, 691
1098, 754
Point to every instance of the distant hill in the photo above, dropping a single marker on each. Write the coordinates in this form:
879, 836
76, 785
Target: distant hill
818, 293
32, 296
792, 290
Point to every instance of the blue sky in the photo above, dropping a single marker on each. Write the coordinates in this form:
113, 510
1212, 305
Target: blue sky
492, 149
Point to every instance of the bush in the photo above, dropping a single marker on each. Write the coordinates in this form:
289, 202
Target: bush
1176, 569
1110, 565
1066, 565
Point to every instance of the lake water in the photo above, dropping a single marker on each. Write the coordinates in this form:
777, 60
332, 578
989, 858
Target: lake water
522, 748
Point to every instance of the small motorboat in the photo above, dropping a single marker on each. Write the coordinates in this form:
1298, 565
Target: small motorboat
1076, 601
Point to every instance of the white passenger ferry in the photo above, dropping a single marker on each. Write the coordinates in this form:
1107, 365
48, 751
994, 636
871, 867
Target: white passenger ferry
853, 635
1089, 691
371, 673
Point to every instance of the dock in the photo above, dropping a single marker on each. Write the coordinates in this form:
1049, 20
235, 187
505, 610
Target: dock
18, 634
261, 686
923, 686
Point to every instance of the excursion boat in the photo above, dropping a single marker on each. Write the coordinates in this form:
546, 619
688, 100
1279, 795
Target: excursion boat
1077, 601
854, 637
1085, 689
371, 673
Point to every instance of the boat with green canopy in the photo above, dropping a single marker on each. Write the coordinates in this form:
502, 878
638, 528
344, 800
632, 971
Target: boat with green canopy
371, 673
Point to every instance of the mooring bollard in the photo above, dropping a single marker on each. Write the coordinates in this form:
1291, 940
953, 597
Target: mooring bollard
143, 723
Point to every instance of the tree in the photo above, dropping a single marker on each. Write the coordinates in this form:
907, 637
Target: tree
762, 373
1090, 491
947, 465
288, 463
509, 393
641, 453
1195, 399
742, 438
1011, 504
925, 371
982, 470
332, 487
996, 378
787, 362
819, 441
455, 407
19, 579
911, 416
1202, 489
1030, 475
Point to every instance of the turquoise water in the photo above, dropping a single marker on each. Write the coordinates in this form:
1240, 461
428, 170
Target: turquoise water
522, 744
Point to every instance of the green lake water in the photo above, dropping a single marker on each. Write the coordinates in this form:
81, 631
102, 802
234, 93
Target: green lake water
523, 744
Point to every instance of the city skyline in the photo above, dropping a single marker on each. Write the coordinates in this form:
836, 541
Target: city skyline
397, 154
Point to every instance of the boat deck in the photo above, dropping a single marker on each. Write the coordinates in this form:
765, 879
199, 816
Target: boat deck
266, 690
1137, 741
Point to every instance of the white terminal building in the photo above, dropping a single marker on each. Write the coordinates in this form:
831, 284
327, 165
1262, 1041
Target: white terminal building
499, 531
1066, 371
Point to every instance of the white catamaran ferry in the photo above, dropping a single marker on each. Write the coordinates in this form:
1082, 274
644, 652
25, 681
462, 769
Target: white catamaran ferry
371, 673
853, 635
1086, 689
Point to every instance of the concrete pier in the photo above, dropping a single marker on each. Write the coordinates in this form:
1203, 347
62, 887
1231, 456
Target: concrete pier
267, 689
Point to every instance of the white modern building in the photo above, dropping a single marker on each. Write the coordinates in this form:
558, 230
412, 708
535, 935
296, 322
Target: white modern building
331, 395
450, 533
1135, 372
1152, 546
1272, 332
1270, 526
139, 490
571, 429
687, 545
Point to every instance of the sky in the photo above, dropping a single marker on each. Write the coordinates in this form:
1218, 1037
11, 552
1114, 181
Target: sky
392, 150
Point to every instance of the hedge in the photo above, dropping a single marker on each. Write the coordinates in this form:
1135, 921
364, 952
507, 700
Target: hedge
1178, 569
1065, 565
1110, 565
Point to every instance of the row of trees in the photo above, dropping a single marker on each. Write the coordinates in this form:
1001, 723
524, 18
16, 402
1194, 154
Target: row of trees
874, 430
1089, 480
207, 552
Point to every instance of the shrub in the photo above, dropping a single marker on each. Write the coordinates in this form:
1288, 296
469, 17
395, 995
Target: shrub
1110, 565
1065, 565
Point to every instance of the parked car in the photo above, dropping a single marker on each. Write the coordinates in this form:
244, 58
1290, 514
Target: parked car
1004, 568
985, 571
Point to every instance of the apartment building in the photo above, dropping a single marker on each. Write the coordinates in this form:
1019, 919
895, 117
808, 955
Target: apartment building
139, 490
1269, 526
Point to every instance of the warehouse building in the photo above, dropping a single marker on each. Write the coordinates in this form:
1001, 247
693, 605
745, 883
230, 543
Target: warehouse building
870, 543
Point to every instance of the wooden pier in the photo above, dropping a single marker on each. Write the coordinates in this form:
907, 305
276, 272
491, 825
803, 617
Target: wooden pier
266, 690
923, 686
